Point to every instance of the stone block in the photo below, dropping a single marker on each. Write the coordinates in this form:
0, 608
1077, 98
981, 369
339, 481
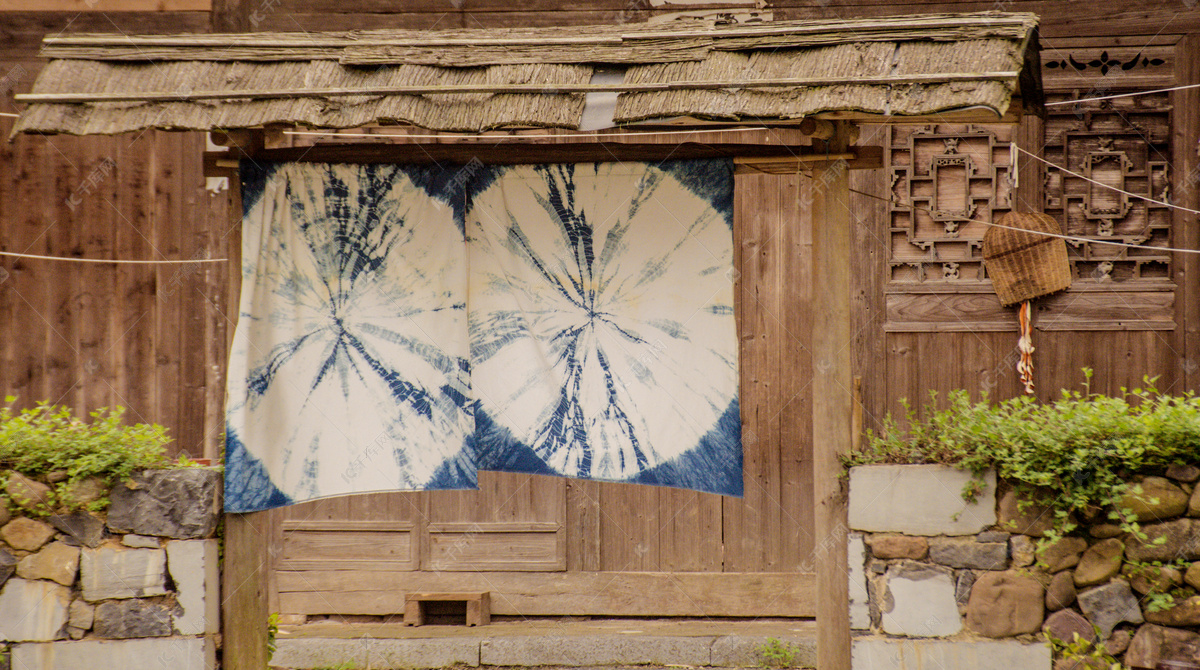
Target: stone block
1182, 541
8, 565
1110, 604
1159, 499
962, 587
1066, 624
888, 546
193, 568
1023, 550
1192, 576
1118, 642
1152, 579
1031, 519
1184, 473
376, 653
125, 619
84, 527
192, 653
27, 493
1103, 531
1100, 563
1183, 613
180, 504
919, 601
993, 536
33, 610
1194, 503
57, 561
968, 553
1154, 643
745, 651
84, 491
591, 650
110, 572
918, 500
1061, 591
81, 615
860, 607
1004, 604
877, 653
140, 541
26, 534
1062, 554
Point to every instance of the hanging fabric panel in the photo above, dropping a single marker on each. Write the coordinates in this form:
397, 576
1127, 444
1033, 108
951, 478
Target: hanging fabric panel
349, 369
603, 339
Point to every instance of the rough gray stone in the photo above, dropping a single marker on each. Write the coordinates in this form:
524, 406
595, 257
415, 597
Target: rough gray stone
584, 650
1004, 604
32, 610
1100, 562
860, 608
1110, 604
1065, 624
191, 653
1118, 642
918, 500
877, 653
1061, 592
1154, 643
27, 493
1023, 550
919, 602
86, 528
8, 566
110, 572
745, 651
81, 615
193, 567
140, 541
968, 553
382, 653
962, 587
993, 536
57, 561
84, 491
1182, 541
26, 534
1158, 500
125, 619
180, 504
1031, 520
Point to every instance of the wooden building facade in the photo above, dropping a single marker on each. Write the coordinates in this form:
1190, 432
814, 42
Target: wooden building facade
924, 315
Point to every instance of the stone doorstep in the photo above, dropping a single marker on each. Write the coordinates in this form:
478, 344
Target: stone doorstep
175, 653
574, 651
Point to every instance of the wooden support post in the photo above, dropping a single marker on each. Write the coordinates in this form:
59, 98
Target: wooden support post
832, 399
244, 602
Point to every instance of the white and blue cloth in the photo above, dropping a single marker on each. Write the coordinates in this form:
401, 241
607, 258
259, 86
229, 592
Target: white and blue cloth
402, 327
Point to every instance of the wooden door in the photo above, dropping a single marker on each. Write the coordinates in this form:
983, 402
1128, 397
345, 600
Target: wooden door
546, 546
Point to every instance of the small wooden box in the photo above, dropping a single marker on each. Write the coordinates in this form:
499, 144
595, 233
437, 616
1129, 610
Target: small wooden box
479, 606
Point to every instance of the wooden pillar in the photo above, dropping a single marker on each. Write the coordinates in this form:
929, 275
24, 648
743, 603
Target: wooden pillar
832, 398
1185, 190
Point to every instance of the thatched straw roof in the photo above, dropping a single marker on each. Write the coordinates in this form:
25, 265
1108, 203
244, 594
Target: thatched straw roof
473, 80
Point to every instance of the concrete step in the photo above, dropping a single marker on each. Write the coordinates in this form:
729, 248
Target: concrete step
568, 644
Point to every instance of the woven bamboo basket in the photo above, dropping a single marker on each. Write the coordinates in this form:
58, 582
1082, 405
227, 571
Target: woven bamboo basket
1024, 265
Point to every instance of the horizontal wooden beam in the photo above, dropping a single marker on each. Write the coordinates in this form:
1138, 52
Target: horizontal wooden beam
760, 594
547, 88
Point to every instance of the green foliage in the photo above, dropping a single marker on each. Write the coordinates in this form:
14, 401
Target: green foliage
776, 654
272, 633
1084, 653
47, 438
1074, 454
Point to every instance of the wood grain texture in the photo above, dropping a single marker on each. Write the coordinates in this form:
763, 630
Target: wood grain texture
1185, 140
244, 602
557, 594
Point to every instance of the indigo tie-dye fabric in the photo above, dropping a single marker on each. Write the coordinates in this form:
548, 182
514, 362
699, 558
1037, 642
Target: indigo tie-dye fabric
349, 371
592, 336
603, 341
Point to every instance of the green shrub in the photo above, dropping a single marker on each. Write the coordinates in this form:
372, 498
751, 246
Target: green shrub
47, 438
1074, 454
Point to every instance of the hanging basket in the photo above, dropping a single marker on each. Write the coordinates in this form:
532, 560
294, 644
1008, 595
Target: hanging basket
1024, 265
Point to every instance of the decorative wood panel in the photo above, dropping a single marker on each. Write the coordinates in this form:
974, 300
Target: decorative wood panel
348, 545
509, 546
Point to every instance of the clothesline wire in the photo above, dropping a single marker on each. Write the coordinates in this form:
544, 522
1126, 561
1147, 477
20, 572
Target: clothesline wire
113, 260
1114, 188
500, 138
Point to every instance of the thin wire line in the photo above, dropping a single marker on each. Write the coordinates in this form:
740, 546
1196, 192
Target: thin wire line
501, 138
1114, 188
112, 260
14, 116
1122, 95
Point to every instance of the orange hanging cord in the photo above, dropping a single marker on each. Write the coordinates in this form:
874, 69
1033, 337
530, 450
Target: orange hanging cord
1025, 346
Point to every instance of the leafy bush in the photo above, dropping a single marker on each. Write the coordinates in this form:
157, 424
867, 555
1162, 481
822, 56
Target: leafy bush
46, 439
1074, 454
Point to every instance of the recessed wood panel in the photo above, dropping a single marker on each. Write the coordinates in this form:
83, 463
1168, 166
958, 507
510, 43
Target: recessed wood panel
348, 545
462, 547
982, 312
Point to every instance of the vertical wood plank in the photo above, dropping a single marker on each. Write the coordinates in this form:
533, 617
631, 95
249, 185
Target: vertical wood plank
870, 256
245, 599
1185, 143
832, 399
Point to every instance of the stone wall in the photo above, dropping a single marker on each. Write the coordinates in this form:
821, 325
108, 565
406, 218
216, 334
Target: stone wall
939, 583
135, 587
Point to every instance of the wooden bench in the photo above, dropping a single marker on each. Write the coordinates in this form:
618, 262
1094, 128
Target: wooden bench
479, 606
